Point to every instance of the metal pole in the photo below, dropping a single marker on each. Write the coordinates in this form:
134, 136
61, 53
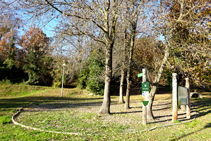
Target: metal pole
144, 108
187, 85
62, 80
174, 93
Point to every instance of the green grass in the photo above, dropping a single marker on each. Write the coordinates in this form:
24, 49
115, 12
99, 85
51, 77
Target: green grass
193, 124
71, 121
5, 119
22, 90
52, 112
177, 121
11, 132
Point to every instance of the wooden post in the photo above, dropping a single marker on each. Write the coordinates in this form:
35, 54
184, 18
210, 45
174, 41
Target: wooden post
174, 96
144, 116
187, 85
144, 108
144, 78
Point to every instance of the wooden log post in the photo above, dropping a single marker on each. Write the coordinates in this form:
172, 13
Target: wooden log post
144, 108
174, 96
187, 85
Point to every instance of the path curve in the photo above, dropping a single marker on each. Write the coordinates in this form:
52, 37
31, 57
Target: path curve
72, 133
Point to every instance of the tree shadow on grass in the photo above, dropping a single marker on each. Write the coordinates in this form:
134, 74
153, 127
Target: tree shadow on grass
62, 102
126, 112
167, 118
164, 108
208, 125
203, 106
161, 104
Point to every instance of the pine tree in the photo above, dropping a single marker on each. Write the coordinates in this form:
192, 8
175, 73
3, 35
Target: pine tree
37, 60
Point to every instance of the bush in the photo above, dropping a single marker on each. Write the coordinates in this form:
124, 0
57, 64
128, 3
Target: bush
91, 76
83, 78
56, 84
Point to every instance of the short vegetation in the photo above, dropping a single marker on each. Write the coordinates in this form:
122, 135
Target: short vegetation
76, 113
98, 48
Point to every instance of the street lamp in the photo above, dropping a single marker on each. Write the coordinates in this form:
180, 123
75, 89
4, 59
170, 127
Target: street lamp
62, 79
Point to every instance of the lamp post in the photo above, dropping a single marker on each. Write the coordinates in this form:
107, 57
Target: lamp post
62, 79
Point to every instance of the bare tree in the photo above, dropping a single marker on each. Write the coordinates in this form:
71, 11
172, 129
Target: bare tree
122, 34
76, 50
134, 10
121, 88
9, 20
82, 16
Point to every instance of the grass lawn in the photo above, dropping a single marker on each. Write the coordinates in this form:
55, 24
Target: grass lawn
77, 112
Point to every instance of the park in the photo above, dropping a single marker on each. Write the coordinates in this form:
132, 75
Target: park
105, 70
45, 115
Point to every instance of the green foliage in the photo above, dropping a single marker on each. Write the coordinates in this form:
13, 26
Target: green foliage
9, 63
37, 59
31, 69
14, 75
91, 76
167, 75
94, 83
38, 67
56, 73
5, 119
56, 84
83, 78
9, 59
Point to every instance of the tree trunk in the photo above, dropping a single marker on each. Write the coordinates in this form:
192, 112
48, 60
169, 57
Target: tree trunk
156, 82
157, 79
121, 99
165, 59
110, 38
127, 102
151, 100
105, 109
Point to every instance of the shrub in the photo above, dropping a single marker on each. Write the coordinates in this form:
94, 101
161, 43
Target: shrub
83, 78
91, 76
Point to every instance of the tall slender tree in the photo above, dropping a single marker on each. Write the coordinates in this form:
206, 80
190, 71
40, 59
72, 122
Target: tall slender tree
134, 10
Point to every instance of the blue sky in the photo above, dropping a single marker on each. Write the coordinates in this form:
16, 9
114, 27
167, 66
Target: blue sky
48, 29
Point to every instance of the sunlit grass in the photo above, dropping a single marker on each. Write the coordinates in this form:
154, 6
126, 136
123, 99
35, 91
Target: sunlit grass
5, 119
49, 111
21, 90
